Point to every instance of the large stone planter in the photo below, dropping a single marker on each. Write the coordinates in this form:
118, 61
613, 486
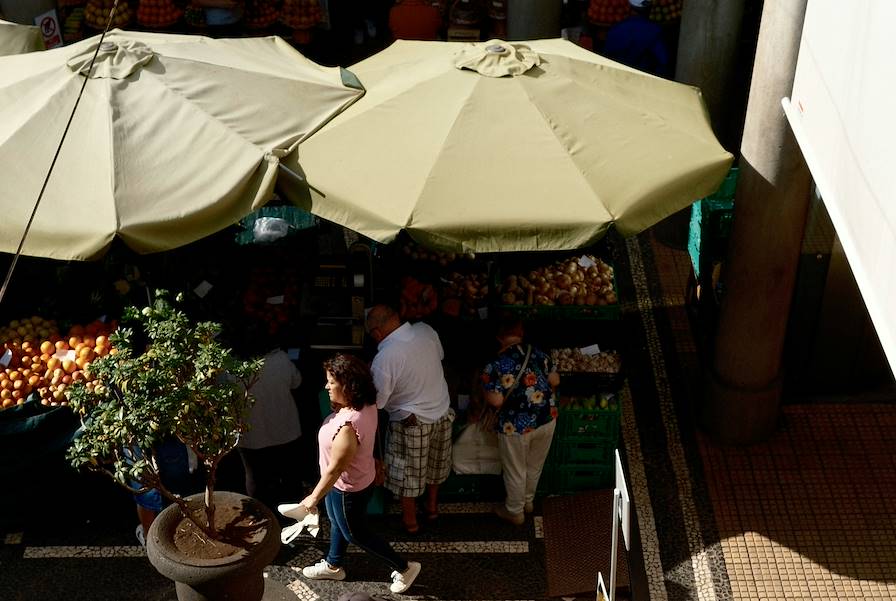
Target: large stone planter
238, 577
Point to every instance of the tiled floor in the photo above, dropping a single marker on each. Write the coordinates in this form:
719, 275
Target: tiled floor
809, 514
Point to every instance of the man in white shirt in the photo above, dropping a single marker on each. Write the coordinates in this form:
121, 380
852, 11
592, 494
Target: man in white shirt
410, 384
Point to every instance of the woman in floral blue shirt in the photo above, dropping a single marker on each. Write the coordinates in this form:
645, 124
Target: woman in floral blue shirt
526, 415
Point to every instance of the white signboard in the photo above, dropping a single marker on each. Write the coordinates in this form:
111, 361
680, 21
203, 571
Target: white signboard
625, 510
841, 112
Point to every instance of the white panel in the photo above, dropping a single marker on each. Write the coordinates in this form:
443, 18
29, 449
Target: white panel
843, 112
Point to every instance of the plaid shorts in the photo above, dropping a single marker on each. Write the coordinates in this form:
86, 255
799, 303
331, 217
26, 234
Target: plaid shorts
418, 455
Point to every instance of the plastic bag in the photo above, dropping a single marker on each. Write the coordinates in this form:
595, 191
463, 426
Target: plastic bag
269, 229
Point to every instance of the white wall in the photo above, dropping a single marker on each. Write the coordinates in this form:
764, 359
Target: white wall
843, 112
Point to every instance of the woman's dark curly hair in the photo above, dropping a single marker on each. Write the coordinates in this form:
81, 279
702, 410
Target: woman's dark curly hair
356, 380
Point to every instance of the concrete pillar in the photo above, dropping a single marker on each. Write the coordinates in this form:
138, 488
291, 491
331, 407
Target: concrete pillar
743, 389
707, 45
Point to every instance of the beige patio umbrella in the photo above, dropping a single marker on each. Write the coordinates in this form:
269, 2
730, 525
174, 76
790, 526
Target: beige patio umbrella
19, 39
175, 137
494, 146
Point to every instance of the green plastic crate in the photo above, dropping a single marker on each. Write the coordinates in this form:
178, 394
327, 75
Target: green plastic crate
589, 424
586, 453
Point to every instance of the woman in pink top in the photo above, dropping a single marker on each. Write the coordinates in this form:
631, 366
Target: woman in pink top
346, 440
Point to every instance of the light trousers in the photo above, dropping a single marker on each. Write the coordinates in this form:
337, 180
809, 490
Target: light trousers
522, 459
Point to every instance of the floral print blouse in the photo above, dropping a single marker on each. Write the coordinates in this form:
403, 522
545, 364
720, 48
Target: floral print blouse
531, 403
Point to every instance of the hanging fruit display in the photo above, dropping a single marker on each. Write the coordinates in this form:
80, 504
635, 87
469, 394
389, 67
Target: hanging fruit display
72, 26
261, 14
96, 13
301, 15
158, 13
665, 11
609, 12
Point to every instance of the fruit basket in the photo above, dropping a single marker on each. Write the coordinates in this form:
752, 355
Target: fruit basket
595, 417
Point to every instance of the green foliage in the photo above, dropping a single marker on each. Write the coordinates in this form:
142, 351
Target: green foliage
183, 383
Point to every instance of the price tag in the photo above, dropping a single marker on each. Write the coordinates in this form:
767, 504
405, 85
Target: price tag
586, 262
590, 350
67, 355
483, 312
6, 358
202, 289
275, 300
293, 354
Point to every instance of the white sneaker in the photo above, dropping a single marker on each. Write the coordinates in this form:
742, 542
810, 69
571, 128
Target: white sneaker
402, 581
322, 571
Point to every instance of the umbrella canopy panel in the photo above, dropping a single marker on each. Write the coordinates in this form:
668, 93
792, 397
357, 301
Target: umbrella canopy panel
19, 39
174, 138
506, 147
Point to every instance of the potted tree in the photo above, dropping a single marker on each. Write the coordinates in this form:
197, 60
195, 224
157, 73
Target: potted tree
169, 377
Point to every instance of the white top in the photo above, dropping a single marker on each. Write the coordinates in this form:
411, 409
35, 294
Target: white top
274, 418
408, 375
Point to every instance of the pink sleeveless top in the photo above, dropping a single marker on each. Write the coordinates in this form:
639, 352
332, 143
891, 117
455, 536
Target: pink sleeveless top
361, 471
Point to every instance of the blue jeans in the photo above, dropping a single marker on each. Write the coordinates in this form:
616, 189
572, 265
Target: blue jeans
348, 524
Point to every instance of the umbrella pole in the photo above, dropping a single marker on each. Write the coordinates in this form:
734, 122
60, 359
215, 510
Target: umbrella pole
15, 258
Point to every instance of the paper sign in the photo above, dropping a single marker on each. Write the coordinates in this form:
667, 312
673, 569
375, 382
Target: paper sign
6, 358
586, 262
275, 300
483, 312
48, 23
590, 350
625, 510
66, 355
202, 289
293, 354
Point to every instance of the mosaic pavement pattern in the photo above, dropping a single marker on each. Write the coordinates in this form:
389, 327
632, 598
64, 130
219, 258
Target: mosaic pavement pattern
808, 515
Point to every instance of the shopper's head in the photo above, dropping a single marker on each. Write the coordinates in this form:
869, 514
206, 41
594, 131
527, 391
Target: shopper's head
382, 320
349, 382
641, 7
509, 329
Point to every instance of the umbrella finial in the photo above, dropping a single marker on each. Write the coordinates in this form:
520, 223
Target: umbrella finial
497, 58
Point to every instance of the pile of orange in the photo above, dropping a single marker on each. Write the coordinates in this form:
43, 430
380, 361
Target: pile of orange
38, 359
158, 13
96, 13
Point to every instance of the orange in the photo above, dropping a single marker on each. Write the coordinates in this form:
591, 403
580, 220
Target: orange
89, 341
61, 345
47, 347
102, 341
53, 363
87, 353
73, 342
69, 366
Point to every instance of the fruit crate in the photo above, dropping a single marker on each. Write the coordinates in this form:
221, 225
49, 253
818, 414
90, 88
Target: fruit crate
564, 312
590, 424
573, 479
569, 454
578, 382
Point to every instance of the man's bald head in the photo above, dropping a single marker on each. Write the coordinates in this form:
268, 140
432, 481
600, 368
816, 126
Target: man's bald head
382, 320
